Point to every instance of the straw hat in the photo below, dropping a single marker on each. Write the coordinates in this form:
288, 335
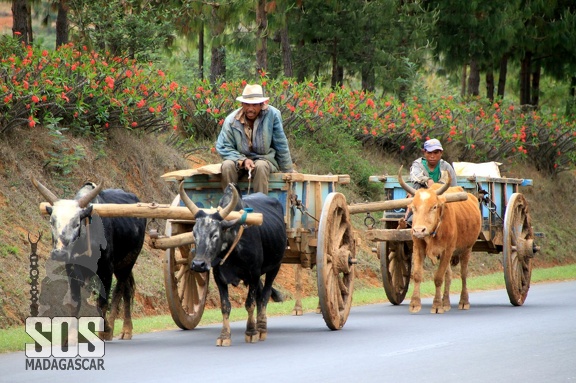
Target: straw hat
252, 94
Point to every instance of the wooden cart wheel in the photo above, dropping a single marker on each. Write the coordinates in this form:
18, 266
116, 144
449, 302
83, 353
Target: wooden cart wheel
186, 290
518, 249
335, 258
396, 266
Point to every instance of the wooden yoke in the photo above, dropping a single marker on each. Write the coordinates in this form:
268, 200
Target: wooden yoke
159, 211
399, 203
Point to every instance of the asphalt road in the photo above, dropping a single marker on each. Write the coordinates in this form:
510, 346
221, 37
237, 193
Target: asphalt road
492, 342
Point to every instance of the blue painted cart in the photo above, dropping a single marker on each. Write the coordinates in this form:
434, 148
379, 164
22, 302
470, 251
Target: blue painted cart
506, 228
317, 225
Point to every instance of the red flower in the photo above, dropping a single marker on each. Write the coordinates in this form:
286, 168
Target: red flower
134, 124
31, 122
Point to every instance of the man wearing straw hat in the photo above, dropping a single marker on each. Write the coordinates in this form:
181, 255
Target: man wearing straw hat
252, 141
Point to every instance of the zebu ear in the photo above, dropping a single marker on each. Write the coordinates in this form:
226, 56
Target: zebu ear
86, 212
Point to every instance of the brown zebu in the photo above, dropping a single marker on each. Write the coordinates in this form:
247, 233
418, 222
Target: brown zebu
445, 232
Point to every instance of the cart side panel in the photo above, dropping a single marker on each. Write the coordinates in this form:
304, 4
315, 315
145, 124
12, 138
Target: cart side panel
205, 189
499, 191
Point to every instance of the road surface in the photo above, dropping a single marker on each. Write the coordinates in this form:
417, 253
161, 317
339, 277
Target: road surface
492, 342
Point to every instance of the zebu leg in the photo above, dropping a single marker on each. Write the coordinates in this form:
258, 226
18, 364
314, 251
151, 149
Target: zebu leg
464, 303
262, 302
103, 304
447, 283
418, 271
225, 338
437, 305
254, 292
115, 307
128, 297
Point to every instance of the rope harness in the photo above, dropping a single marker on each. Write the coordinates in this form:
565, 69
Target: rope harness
241, 220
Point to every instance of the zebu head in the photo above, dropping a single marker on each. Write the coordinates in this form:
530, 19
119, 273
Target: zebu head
427, 207
213, 234
66, 217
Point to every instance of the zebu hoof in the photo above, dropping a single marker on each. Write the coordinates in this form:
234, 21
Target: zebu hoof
251, 338
464, 306
297, 311
107, 335
447, 307
223, 342
125, 335
415, 306
437, 310
263, 336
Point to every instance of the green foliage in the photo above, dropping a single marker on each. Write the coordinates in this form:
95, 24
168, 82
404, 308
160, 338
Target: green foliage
127, 28
7, 250
84, 93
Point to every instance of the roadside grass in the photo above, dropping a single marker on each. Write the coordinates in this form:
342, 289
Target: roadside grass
14, 339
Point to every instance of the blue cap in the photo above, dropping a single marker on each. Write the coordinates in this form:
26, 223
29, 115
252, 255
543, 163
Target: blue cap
432, 144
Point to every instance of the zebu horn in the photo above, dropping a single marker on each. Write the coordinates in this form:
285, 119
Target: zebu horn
85, 200
409, 189
187, 201
50, 197
224, 212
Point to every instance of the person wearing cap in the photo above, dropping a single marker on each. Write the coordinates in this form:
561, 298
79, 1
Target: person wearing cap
427, 170
252, 140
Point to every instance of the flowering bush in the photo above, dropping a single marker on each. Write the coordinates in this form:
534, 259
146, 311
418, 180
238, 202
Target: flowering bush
472, 131
87, 93
84, 92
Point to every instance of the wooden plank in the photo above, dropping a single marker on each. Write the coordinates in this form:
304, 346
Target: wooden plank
300, 177
401, 235
152, 210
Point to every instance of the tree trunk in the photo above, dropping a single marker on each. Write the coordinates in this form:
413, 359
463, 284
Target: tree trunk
503, 75
201, 53
261, 38
368, 79
62, 23
20, 23
474, 79
536, 84
217, 64
525, 65
490, 84
463, 82
286, 52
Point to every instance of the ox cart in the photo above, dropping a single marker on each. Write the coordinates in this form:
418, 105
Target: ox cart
506, 229
318, 228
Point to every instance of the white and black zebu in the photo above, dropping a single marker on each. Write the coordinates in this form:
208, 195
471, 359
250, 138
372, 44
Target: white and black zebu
119, 249
259, 251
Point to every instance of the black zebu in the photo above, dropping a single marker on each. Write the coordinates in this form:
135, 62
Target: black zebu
259, 251
119, 249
